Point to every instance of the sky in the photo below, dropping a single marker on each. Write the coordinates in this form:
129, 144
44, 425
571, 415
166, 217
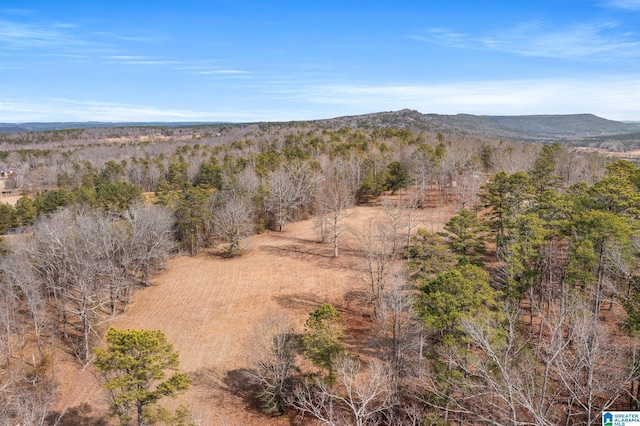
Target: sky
258, 60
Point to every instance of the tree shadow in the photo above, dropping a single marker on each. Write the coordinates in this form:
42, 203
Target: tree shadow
206, 378
297, 251
361, 336
80, 415
322, 258
222, 253
289, 237
238, 383
359, 298
299, 301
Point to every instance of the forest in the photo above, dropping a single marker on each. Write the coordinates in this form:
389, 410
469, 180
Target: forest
518, 305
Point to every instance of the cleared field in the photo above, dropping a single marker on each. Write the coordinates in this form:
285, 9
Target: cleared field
11, 200
207, 305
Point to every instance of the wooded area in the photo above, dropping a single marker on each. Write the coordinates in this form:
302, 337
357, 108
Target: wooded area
523, 309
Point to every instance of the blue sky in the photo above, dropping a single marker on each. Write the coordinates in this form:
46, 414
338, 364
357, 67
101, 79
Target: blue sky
254, 60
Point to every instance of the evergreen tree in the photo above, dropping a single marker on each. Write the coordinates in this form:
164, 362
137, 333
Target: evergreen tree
134, 366
507, 196
429, 254
25, 211
7, 217
543, 174
467, 237
397, 176
462, 292
323, 329
192, 214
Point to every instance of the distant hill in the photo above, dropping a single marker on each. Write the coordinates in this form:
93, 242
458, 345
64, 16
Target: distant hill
540, 128
543, 128
44, 127
11, 128
575, 126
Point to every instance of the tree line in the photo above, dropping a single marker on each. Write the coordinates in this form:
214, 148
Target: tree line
557, 220
74, 271
523, 311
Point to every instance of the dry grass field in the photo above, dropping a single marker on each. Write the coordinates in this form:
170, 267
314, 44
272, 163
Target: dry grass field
11, 200
207, 306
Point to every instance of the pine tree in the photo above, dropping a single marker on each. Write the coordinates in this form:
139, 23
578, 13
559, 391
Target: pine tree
322, 331
467, 237
134, 365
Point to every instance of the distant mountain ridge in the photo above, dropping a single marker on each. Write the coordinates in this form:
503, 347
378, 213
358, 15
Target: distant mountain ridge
11, 128
46, 126
565, 126
540, 128
571, 127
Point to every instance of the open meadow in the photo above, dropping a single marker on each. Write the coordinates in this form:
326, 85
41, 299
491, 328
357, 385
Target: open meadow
207, 306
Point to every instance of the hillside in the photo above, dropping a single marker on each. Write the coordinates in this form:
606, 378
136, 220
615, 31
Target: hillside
527, 127
46, 127
575, 126
543, 128
97, 248
11, 128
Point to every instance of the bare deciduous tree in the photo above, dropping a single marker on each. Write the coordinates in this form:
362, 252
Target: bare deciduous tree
273, 357
27, 288
571, 376
467, 188
394, 211
375, 243
332, 198
360, 397
399, 335
151, 236
78, 262
290, 187
423, 169
233, 220
592, 371
28, 403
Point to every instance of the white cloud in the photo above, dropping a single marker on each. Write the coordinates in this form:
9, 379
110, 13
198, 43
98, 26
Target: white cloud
142, 37
229, 72
223, 73
16, 11
603, 40
127, 57
140, 60
152, 62
19, 36
623, 4
57, 109
611, 97
64, 25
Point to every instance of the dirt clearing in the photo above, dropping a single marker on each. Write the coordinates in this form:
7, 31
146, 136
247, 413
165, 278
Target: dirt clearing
207, 305
11, 200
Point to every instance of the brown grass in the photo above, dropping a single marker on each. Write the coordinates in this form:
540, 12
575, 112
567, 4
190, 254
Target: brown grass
207, 305
11, 200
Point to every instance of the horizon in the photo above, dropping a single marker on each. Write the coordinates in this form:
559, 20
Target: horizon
189, 123
276, 61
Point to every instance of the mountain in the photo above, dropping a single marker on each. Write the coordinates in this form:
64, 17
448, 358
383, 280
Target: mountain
576, 126
539, 128
45, 127
11, 128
